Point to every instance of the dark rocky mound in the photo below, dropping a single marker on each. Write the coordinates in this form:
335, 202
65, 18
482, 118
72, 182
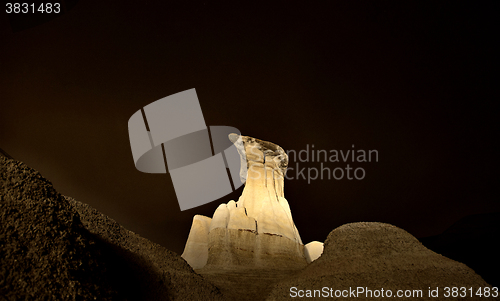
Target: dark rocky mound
145, 270
376, 256
45, 252
472, 240
55, 248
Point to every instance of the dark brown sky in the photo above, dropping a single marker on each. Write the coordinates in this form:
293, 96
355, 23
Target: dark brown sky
413, 80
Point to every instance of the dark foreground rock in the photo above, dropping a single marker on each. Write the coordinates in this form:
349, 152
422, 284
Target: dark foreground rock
55, 248
45, 252
145, 270
376, 256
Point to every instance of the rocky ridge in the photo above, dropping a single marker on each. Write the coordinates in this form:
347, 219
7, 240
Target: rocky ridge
375, 256
56, 248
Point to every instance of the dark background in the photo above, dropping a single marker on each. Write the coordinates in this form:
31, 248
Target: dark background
413, 80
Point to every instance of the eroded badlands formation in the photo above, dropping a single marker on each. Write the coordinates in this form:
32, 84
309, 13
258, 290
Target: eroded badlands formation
253, 243
258, 230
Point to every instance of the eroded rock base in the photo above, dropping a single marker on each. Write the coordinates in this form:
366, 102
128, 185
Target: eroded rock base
245, 284
238, 248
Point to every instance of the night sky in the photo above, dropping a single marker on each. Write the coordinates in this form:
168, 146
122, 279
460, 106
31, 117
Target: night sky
414, 81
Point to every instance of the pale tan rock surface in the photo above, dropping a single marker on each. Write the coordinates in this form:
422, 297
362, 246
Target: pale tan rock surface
378, 255
257, 231
220, 218
263, 196
235, 248
238, 218
196, 250
313, 250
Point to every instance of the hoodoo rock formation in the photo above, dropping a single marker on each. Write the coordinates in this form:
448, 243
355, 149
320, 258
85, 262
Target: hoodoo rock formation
257, 231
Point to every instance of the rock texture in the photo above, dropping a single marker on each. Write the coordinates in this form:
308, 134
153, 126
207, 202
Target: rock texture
257, 231
143, 270
196, 250
263, 196
45, 252
378, 255
313, 250
234, 248
56, 248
